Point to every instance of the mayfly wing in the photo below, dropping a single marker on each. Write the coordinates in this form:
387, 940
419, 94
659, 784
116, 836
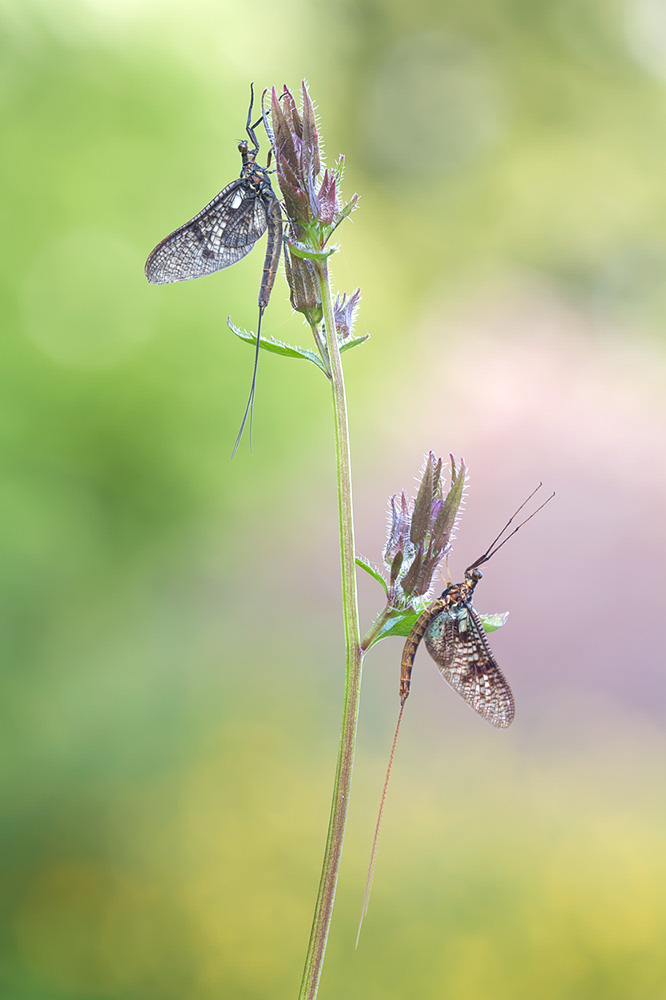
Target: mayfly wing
457, 643
220, 235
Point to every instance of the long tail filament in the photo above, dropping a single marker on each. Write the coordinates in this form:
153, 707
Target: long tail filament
373, 853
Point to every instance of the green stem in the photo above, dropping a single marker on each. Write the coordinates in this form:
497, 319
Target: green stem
322, 347
376, 627
353, 661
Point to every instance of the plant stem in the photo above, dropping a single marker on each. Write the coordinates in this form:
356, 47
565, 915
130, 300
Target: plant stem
353, 661
374, 630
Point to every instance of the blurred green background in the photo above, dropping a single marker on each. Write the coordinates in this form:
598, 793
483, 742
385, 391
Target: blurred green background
172, 662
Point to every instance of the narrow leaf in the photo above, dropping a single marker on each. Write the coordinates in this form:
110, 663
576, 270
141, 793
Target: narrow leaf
348, 344
299, 250
277, 347
371, 571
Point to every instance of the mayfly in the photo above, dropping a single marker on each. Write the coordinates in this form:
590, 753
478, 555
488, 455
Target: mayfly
224, 232
455, 638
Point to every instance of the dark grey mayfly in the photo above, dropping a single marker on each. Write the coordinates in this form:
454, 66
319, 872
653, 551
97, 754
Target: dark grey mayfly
223, 233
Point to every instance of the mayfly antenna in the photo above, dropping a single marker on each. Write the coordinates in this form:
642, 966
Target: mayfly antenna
491, 550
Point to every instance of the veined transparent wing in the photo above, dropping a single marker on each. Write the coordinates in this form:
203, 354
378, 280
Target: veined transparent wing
457, 643
220, 235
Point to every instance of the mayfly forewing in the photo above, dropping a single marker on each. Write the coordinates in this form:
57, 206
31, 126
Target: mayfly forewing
197, 248
248, 223
218, 236
457, 642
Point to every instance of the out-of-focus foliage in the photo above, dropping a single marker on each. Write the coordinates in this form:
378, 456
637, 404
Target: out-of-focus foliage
171, 658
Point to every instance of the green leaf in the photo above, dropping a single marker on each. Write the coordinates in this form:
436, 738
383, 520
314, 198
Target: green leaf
348, 209
299, 250
347, 344
492, 622
398, 623
401, 623
277, 346
371, 571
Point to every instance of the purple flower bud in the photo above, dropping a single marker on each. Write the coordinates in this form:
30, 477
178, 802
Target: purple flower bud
398, 534
328, 199
283, 115
311, 200
421, 530
311, 157
303, 286
345, 313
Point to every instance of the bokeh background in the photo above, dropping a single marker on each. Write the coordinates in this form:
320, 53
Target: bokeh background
172, 651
